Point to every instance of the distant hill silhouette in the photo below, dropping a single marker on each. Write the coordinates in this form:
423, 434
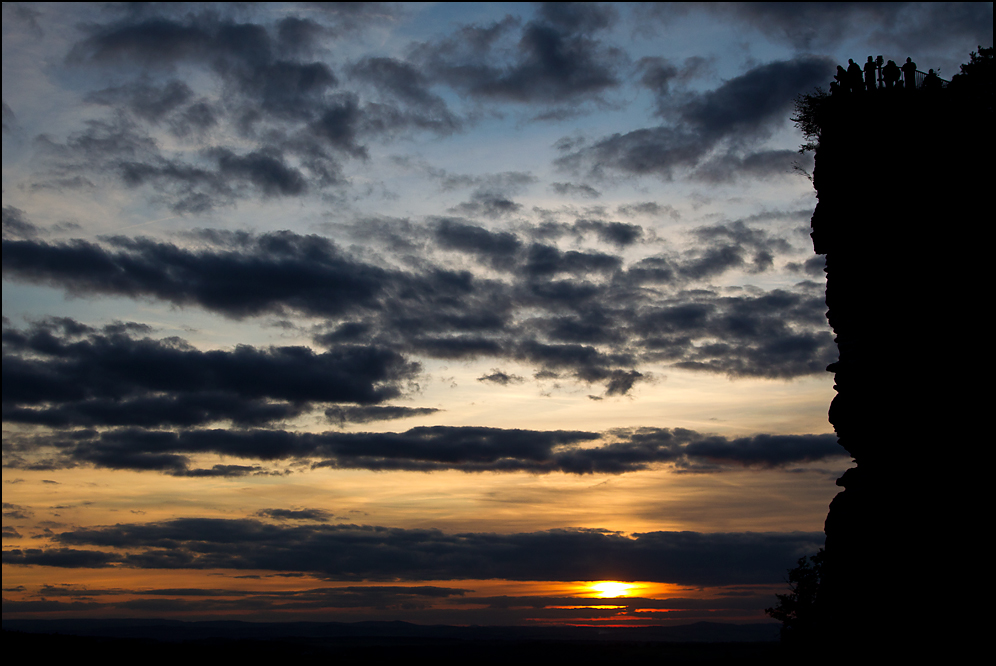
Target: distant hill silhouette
167, 642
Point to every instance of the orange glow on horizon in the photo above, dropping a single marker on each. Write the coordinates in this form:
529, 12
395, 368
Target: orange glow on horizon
610, 588
584, 607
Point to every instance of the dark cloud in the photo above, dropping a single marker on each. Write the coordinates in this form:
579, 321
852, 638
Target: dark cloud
318, 515
576, 190
162, 41
467, 449
659, 74
621, 381
936, 25
580, 311
488, 204
178, 468
243, 55
813, 266
371, 413
67, 558
499, 377
547, 260
727, 246
247, 276
761, 165
616, 233
351, 552
556, 58
906, 24
145, 100
203, 179
651, 208
293, 121
656, 74
748, 102
808, 25
579, 17
497, 248
16, 225
493, 195
338, 124
764, 450
658, 150
200, 600
411, 102
193, 189
737, 113
298, 36
62, 374
747, 334
16, 512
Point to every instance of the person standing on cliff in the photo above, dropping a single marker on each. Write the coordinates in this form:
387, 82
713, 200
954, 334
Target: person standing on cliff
870, 74
909, 75
932, 81
854, 74
891, 73
839, 84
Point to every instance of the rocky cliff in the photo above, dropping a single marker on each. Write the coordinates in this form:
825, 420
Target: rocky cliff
904, 185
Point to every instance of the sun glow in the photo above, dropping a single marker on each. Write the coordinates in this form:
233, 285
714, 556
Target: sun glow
610, 588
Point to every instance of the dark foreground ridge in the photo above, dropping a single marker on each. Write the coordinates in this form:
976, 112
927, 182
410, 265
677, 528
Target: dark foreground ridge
904, 184
163, 641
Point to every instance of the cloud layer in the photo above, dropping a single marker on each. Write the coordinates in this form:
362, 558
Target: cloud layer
583, 312
352, 552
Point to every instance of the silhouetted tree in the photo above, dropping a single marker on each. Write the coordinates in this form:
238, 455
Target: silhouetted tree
808, 112
798, 611
979, 64
976, 78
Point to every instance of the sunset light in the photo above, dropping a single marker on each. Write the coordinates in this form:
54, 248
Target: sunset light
611, 588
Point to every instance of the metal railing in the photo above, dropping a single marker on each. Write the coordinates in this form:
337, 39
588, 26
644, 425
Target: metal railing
922, 76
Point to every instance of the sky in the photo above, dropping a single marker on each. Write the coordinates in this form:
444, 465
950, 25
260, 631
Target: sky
493, 314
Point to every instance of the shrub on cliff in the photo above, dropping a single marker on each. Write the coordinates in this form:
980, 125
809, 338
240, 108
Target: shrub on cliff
798, 610
976, 78
809, 110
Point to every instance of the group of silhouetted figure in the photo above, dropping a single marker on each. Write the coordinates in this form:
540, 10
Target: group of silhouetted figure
858, 79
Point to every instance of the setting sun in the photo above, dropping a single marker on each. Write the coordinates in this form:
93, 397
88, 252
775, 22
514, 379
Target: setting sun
610, 588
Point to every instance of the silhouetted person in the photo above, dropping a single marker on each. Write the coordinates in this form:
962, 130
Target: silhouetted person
870, 74
909, 75
854, 75
839, 84
931, 82
891, 73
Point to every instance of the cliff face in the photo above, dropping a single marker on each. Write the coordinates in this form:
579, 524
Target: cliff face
903, 218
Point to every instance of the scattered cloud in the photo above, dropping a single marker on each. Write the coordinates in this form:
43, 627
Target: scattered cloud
730, 118
555, 58
499, 377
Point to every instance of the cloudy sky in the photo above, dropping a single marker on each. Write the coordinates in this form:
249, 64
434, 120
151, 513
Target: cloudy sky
437, 312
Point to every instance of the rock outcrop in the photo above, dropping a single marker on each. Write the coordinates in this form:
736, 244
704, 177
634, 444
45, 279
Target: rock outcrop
904, 185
